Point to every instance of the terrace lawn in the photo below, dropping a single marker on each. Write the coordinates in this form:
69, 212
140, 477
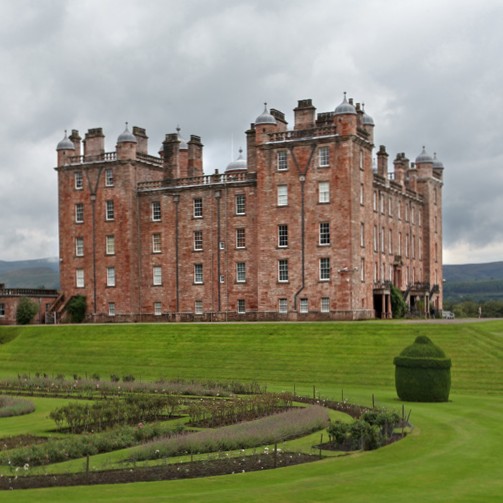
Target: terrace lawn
454, 453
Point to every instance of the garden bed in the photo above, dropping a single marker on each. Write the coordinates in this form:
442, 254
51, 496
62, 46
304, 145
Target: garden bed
211, 467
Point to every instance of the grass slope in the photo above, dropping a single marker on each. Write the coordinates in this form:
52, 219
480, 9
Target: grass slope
452, 455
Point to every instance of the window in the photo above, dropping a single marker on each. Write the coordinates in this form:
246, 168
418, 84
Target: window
390, 206
383, 246
390, 241
157, 308
110, 245
324, 269
79, 213
304, 306
420, 251
198, 207
282, 160
324, 233
109, 177
157, 275
111, 309
198, 307
282, 236
240, 204
374, 201
109, 213
198, 240
361, 159
156, 243
412, 215
362, 269
198, 273
399, 243
2, 310
79, 180
375, 238
362, 235
325, 305
240, 238
282, 195
381, 202
362, 194
241, 272
406, 245
241, 306
110, 276
283, 270
79, 247
283, 306
79, 278
156, 211
399, 210
323, 192
323, 157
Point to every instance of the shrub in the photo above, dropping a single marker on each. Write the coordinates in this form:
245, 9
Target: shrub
77, 308
398, 305
423, 372
26, 310
10, 406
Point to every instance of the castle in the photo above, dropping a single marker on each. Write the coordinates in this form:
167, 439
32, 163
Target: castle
305, 227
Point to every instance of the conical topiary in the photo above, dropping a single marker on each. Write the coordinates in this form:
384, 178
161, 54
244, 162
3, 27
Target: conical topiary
423, 372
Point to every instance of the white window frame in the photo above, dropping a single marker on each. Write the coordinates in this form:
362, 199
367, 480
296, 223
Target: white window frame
282, 236
282, 195
324, 157
79, 247
79, 278
241, 237
304, 305
323, 192
156, 211
109, 210
240, 272
283, 306
156, 242
79, 213
324, 234
198, 307
156, 275
198, 240
79, 180
283, 273
109, 177
110, 276
362, 234
157, 308
324, 269
325, 305
241, 306
240, 204
198, 274
282, 160
111, 309
110, 245
197, 204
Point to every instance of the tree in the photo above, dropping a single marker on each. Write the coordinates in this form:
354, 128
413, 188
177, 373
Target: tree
398, 305
26, 310
77, 308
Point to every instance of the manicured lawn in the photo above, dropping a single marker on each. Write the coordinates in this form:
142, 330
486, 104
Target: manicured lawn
454, 453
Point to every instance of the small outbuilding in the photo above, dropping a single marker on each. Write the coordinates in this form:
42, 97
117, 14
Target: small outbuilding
423, 372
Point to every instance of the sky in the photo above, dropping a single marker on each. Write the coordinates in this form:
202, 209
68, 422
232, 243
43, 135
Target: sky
428, 71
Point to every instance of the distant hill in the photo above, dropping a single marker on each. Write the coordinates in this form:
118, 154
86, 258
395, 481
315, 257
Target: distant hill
474, 281
477, 281
38, 273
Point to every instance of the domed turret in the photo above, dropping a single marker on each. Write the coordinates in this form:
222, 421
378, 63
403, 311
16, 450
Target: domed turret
238, 165
366, 119
265, 117
345, 108
424, 157
65, 144
127, 136
436, 163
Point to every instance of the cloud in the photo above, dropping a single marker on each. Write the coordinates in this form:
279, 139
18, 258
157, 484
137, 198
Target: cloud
425, 69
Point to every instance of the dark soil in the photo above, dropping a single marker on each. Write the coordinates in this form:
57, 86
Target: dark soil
194, 469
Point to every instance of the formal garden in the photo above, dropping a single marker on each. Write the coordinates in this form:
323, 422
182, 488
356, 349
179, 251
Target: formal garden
287, 412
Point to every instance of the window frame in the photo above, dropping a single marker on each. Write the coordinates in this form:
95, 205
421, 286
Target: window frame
283, 272
324, 269
109, 177
282, 160
156, 242
80, 278
323, 195
198, 307
155, 211
111, 276
110, 244
325, 305
241, 306
324, 234
198, 240
157, 308
109, 210
282, 235
283, 305
304, 305
111, 309
78, 180
156, 275
197, 207
79, 246
241, 237
79, 213
240, 272
240, 204
198, 274
282, 195
324, 156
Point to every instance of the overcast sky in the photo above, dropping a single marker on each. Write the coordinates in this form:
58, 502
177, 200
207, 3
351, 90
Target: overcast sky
430, 73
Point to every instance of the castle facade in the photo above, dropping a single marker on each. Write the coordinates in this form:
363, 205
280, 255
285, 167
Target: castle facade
305, 226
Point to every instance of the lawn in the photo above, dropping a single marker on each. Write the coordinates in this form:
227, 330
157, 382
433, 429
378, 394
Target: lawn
452, 455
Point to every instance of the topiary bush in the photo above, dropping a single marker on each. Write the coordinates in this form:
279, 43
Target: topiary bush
423, 372
26, 310
77, 308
